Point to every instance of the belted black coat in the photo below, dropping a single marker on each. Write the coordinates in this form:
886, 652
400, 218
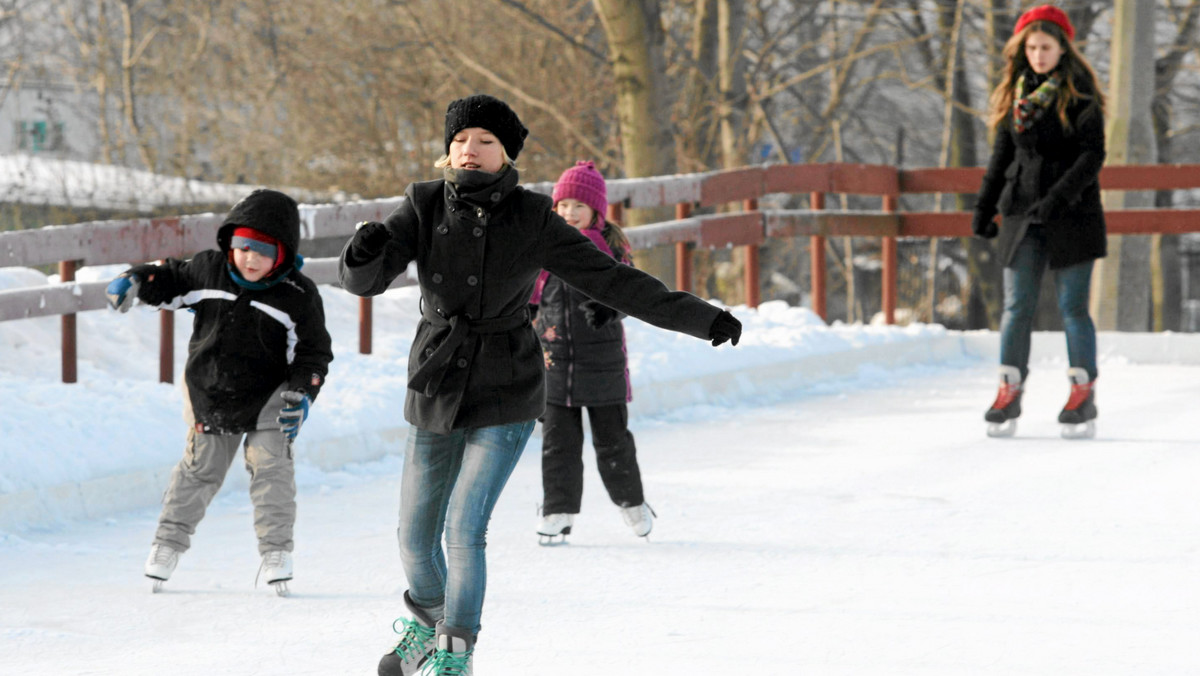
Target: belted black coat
1046, 162
475, 360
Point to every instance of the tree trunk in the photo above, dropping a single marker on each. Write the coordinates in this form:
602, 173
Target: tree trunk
1125, 275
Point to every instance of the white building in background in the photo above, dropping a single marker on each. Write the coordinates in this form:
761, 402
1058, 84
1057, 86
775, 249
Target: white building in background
48, 120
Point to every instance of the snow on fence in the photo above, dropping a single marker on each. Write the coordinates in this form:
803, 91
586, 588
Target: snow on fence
146, 239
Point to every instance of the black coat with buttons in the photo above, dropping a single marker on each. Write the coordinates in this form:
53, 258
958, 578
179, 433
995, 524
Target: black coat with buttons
475, 360
1050, 174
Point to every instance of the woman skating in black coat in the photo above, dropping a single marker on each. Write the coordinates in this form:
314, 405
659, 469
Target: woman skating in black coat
476, 376
1043, 178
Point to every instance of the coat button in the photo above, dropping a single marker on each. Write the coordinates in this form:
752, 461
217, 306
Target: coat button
472, 280
478, 232
437, 278
429, 352
462, 363
443, 230
479, 212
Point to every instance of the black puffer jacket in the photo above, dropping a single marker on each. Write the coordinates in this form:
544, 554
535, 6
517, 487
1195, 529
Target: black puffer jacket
245, 342
475, 360
1047, 163
584, 366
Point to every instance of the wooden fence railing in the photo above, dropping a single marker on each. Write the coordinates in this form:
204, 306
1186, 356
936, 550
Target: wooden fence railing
138, 240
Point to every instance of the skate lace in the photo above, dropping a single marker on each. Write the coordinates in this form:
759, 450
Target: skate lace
163, 556
273, 559
1079, 394
446, 663
415, 638
1006, 395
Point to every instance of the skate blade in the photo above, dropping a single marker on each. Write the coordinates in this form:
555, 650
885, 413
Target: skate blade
156, 585
281, 588
1002, 430
552, 540
1085, 430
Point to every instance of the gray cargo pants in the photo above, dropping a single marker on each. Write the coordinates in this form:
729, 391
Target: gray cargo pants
199, 475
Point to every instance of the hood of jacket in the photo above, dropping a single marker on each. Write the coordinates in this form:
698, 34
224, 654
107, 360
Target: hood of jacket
270, 212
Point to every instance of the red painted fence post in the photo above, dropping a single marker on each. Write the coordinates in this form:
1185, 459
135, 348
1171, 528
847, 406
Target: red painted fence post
888, 253
683, 252
816, 256
66, 273
750, 274
166, 346
364, 325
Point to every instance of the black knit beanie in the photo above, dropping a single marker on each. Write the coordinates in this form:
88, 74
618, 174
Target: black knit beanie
491, 114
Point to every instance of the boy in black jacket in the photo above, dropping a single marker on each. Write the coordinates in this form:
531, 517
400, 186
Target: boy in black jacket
257, 358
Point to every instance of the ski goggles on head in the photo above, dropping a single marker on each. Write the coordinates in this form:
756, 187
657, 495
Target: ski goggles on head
264, 249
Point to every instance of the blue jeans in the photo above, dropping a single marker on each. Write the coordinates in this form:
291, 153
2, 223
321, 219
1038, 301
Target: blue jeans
1022, 281
449, 487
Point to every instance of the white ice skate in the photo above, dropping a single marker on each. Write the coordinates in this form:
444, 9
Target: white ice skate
554, 526
277, 569
640, 518
160, 564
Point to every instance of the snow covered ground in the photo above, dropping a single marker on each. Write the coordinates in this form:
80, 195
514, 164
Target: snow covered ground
828, 504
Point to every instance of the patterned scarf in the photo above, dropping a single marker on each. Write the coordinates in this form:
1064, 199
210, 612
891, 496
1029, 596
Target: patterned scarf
1029, 109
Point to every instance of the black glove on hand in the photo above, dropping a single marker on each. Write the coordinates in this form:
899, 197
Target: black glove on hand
533, 310
725, 327
984, 228
597, 315
369, 240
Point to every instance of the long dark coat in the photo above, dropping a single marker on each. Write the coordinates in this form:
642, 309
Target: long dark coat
1046, 161
475, 360
584, 366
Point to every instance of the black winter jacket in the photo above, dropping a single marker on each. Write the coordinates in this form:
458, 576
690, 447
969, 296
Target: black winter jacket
584, 366
245, 343
1048, 163
475, 360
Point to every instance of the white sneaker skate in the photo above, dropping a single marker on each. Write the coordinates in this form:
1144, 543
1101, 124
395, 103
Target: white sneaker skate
160, 564
554, 525
640, 518
277, 569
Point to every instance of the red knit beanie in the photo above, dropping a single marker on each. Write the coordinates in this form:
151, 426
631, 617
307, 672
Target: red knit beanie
582, 182
1048, 13
257, 241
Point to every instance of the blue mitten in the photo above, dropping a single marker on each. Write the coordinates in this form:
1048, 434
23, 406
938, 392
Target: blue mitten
293, 414
121, 292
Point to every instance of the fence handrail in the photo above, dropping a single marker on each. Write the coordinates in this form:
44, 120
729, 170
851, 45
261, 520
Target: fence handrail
143, 239
136, 240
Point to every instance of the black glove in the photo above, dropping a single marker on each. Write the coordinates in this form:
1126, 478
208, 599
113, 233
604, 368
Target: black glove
1045, 209
369, 240
533, 310
984, 227
725, 327
597, 315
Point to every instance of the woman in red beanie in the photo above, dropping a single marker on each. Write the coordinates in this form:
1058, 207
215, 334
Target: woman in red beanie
586, 366
1043, 179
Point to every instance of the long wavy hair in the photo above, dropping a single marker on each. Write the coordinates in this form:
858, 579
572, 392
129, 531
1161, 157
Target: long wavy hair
1079, 81
614, 237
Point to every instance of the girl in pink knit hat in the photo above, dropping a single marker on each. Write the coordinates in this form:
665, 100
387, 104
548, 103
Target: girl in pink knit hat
586, 367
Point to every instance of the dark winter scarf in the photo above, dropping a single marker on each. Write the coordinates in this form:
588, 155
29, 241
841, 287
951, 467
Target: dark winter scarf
481, 188
1029, 109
